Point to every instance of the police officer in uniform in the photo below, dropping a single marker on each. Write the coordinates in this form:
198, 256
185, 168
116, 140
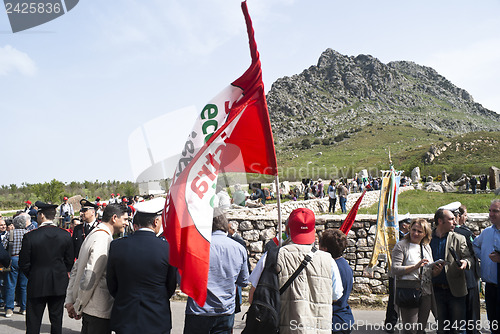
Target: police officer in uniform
140, 277
46, 258
88, 219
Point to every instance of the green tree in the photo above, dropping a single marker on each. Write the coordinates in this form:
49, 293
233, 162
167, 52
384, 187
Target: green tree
49, 191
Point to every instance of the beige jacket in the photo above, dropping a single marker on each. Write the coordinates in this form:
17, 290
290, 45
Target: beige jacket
306, 306
87, 289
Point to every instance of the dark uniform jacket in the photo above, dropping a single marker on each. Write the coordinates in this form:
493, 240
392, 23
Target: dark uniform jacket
79, 234
46, 257
141, 280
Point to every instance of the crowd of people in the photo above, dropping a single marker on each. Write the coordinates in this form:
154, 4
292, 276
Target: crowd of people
446, 266
122, 281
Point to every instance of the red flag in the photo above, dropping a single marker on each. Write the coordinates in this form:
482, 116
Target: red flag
232, 134
351, 216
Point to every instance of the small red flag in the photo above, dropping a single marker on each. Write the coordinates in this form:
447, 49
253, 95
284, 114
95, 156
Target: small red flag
351, 216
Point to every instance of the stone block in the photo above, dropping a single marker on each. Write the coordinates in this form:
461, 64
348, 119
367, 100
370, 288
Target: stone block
363, 261
362, 233
361, 288
259, 225
268, 233
350, 256
357, 225
370, 240
361, 243
252, 235
270, 223
373, 229
379, 289
256, 246
245, 226
365, 280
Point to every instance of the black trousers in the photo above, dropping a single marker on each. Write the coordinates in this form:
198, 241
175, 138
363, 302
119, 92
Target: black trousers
391, 316
492, 299
333, 201
34, 313
95, 325
473, 309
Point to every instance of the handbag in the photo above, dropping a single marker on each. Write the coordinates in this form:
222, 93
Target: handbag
409, 292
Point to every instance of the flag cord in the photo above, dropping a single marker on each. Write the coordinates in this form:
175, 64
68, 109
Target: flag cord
278, 202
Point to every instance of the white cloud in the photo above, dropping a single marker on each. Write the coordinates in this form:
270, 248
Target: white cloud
13, 60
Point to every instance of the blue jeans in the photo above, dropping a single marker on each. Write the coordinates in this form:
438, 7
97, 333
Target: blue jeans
450, 311
343, 200
197, 324
11, 280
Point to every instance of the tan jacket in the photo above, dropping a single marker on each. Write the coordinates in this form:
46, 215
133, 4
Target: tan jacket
454, 275
306, 306
87, 288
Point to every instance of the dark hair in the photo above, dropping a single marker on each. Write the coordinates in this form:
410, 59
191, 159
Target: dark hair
219, 222
49, 214
461, 209
335, 242
113, 209
438, 215
142, 219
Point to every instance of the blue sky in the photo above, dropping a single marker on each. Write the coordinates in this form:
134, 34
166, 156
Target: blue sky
74, 89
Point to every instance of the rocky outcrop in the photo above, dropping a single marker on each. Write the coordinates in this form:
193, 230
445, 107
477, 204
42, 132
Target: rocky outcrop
342, 92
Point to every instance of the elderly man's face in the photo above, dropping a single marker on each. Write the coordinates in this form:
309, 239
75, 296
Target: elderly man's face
3, 226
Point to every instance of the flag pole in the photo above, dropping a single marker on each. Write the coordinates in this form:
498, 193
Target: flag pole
278, 197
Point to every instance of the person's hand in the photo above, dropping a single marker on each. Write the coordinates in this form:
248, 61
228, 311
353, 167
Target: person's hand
437, 268
71, 310
421, 263
495, 257
464, 264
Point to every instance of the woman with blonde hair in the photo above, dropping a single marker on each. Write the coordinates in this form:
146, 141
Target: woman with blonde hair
410, 265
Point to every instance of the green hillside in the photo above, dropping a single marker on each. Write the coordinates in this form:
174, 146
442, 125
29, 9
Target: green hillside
309, 157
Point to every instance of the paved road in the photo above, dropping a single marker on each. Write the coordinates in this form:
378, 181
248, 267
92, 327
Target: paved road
367, 321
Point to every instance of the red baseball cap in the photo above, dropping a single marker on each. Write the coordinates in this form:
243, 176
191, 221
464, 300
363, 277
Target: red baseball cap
125, 200
302, 225
28, 202
65, 198
104, 204
112, 194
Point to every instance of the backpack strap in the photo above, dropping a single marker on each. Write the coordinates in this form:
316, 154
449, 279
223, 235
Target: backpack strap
307, 258
103, 231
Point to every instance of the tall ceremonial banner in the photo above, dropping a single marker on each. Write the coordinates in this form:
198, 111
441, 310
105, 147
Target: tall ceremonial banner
232, 134
387, 218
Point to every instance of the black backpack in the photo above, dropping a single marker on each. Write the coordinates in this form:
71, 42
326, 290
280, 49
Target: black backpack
263, 316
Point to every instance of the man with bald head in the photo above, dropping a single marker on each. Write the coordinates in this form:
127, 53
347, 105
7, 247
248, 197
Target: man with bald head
450, 287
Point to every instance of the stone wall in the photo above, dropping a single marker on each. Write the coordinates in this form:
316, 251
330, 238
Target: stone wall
257, 231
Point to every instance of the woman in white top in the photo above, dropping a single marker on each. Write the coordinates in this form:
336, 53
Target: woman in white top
410, 265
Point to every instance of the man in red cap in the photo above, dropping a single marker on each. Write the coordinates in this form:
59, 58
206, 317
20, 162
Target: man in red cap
66, 212
307, 302
27, 206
